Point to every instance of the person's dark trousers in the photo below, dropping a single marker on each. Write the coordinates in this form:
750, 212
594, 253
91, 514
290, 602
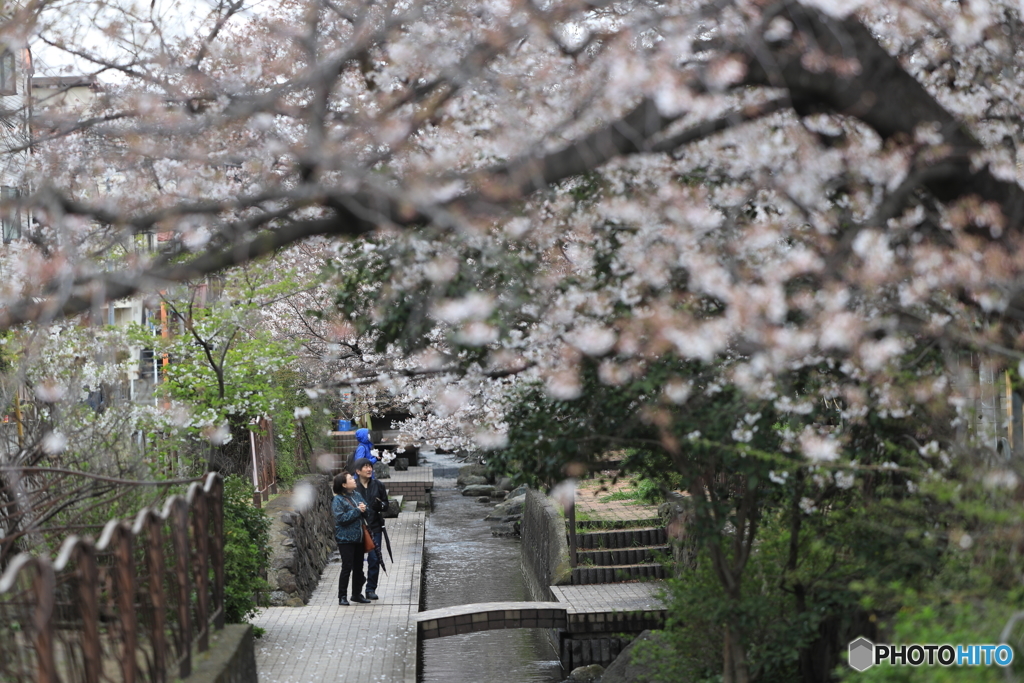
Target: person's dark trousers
373, 563
351, 563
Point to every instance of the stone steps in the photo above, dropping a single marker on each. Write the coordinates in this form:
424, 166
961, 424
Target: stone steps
620, 556
617, 524
616, 555
621, 538
617, 573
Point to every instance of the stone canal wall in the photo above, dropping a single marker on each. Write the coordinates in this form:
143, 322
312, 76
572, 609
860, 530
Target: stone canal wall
544, 551
230, 659
301, 542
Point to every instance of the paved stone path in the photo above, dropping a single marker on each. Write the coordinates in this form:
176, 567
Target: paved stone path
590, 506
373, 643
611, 597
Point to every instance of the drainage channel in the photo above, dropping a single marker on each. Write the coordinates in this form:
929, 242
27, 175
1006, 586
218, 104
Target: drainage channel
463, 564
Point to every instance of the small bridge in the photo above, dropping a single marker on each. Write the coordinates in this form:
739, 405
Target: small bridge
489, 616
607, 608
589, 623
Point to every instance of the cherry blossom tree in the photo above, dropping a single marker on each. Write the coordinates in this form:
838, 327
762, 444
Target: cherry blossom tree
561, 194
711, 155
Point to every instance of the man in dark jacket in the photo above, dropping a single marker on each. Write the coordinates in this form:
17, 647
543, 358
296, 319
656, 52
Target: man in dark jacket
376, 497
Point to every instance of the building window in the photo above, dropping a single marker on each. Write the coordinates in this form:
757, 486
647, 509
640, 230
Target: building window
145, 243
10, 214
8, 82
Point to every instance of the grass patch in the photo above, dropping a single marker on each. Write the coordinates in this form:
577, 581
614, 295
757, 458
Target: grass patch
618, 495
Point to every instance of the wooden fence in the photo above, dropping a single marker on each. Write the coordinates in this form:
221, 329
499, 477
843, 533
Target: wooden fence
264, 467
131, 607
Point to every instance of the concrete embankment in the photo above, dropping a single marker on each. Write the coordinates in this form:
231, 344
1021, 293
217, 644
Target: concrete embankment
545, 551
601, 618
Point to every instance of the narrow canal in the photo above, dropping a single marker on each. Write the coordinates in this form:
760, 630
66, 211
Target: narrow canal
464, 564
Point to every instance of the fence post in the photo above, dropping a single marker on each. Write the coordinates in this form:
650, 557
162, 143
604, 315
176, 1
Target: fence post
155, 558
570, 517
124, 571
179, 538
89, 608
217, 547
270, 445
200, 529
43, 585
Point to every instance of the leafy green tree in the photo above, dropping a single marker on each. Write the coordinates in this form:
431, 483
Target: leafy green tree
246, 550
810, 518
223, 368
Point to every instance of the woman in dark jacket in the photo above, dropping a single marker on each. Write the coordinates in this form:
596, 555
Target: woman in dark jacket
348, 508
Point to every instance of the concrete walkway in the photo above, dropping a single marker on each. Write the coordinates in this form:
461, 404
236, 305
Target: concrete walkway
373, 643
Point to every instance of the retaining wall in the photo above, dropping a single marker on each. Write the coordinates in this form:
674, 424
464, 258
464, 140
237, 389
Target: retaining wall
544, 550
230, 659
301, 542
410, 490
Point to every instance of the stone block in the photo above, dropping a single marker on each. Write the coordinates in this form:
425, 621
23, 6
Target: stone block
475, 471
590, 673
282, 562
623, 669
518, 491
511, 507
484, 490
286, 582
576, 652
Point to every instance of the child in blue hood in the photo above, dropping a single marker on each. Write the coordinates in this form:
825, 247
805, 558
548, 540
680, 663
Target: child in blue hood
365, 447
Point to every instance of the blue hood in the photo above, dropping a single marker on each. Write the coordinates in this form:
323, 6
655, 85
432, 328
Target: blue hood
363, 436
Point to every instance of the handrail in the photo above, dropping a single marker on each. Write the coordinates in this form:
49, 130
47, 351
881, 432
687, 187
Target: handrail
125, 603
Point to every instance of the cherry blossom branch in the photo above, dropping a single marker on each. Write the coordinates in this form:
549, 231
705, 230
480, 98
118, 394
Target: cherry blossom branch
864, 81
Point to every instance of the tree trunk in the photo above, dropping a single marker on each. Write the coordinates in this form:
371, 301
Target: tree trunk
734, 657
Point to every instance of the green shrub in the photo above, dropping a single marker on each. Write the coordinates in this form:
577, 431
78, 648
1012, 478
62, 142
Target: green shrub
925, 619
649, 491
246, 550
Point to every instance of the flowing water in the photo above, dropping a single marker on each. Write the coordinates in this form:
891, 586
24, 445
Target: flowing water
464, 564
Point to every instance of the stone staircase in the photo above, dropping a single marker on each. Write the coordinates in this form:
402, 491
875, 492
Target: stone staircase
614, 552
614, 558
